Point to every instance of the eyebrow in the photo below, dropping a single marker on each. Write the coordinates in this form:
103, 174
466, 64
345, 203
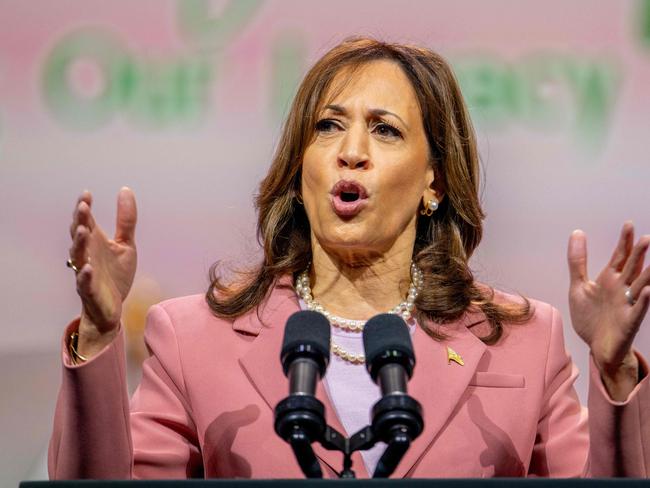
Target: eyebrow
377, 112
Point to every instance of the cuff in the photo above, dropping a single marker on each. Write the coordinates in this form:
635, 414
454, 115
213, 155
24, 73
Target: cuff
597, 382
65, 341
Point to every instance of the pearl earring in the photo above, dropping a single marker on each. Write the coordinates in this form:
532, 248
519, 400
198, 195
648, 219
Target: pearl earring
430, 207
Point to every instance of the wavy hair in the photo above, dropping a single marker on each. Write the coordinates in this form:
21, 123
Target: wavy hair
444, 242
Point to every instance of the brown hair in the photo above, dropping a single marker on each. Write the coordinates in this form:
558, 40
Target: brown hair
444, 242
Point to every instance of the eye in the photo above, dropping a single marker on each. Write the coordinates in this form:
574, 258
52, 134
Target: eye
327, 125
385, 129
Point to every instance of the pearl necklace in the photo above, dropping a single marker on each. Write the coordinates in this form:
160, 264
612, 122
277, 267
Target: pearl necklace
404, 309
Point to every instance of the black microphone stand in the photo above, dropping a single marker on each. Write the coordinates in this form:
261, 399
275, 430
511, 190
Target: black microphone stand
396, 420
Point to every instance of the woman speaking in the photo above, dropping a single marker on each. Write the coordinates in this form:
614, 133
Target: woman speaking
370, 206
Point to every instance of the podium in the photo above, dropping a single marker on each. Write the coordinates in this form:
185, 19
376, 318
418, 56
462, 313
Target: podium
356, 483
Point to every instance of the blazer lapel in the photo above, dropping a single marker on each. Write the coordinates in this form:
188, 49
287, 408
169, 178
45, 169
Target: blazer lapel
439, 384
262, 362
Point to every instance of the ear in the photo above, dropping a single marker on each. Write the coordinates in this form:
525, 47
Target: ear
434, 189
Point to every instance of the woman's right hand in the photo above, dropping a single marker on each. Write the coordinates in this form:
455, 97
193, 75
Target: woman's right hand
106, 268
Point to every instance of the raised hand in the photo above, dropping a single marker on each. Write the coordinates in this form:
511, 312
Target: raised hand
105, 269
607, 313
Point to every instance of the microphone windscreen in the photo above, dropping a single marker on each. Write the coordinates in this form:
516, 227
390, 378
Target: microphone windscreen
386, 332
307, 330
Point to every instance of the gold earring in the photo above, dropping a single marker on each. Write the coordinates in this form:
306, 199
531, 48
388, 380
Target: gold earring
299, 198
429, 208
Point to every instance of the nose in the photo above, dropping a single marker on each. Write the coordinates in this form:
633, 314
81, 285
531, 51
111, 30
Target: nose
354, 150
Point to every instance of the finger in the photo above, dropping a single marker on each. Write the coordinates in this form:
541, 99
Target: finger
634, 263
85, 196
624, 247
577, 257
127, 216
79, 249
86, 216
640, 282
75, 219
640, 308
82, 216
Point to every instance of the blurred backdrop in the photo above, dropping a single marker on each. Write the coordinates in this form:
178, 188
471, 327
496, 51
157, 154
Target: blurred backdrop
184, 100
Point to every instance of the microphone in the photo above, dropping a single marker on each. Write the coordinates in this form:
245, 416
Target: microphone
389, 353
305, 351
396, 417
300, 417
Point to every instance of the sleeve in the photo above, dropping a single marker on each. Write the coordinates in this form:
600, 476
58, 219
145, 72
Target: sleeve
91, 436
97, 434
620, 431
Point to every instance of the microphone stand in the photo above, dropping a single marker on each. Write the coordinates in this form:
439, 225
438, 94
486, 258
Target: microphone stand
397, 421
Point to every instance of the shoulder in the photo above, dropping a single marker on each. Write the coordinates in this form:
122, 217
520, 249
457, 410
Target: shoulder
190, 307
191, 316
542, 326
186, 315
541, 312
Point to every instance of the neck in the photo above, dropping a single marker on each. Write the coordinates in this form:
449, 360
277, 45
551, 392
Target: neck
359, 286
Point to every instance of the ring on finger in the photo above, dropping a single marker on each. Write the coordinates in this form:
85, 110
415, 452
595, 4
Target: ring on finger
630, 298
70, 264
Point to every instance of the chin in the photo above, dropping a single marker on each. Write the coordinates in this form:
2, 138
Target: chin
351, 243
348, 234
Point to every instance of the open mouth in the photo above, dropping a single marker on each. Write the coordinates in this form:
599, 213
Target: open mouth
349, 191
348, 198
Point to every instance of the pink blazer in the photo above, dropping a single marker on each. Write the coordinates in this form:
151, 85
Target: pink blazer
205, 404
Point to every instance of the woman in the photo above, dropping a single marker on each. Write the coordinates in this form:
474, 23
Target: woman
371, 204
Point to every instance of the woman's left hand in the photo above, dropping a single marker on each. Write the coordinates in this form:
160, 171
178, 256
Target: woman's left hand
602, 314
